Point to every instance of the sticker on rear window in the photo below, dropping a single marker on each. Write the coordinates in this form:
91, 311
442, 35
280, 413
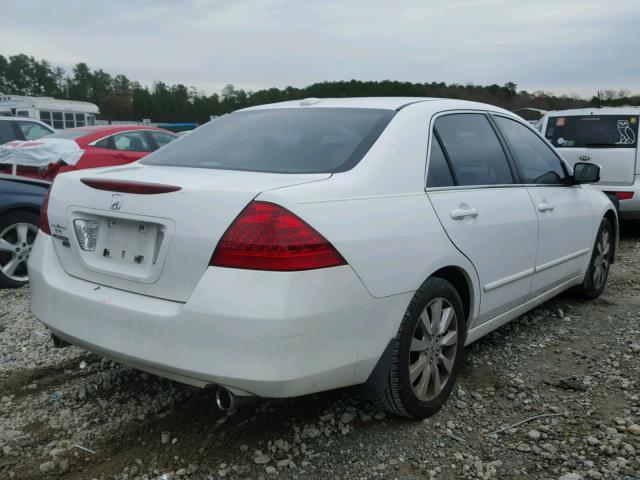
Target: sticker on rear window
627, 135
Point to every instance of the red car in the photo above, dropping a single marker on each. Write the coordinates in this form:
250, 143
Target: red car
79, 148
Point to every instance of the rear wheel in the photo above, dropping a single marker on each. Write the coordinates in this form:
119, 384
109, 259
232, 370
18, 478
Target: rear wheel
598, 271
18, 231
427, 352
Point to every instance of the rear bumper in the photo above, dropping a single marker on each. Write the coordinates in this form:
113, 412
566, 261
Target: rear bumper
629, 209
270, 334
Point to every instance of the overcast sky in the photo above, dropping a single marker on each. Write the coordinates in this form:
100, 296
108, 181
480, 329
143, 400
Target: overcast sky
564, 46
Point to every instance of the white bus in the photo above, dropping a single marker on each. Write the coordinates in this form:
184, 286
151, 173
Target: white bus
59, 114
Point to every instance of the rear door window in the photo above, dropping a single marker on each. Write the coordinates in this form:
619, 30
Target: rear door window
439, 174
7, 133
538, 164
32, 130
593, 131
162, 138
105, 143
476, 155
131, 142
279, 140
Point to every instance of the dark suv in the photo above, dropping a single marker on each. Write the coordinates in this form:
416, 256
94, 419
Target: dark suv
20, 203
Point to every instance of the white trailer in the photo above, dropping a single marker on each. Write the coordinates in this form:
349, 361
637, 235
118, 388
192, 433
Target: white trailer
59, 114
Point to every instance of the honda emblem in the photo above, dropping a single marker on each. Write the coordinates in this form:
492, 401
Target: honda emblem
116, 201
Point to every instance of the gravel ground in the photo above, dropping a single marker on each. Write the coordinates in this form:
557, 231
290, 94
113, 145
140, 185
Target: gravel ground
65, 413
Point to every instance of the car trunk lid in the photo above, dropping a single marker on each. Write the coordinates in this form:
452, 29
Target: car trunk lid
153, 243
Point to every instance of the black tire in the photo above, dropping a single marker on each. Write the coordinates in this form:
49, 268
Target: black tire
6, 222
593, 285
399, 397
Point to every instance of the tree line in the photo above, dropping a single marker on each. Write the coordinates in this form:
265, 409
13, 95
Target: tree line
120, 98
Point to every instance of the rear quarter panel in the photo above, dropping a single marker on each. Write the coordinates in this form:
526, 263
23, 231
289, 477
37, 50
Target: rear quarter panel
378, 215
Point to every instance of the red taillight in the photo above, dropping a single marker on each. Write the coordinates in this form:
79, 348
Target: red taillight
44, 214
127, 186
266, 236
624, 195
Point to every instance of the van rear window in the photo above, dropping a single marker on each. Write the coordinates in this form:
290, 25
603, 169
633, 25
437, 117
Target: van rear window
593, 131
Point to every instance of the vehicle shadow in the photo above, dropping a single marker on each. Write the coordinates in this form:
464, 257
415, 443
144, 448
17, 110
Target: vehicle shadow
630, 230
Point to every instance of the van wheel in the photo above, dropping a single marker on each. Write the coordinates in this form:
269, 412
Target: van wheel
596, 277
427, 352
18, 231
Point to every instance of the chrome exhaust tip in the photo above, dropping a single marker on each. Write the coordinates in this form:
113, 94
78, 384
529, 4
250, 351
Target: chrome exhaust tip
224, 399
227, 400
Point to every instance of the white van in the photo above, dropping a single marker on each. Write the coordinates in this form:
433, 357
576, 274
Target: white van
56, 113
607, 137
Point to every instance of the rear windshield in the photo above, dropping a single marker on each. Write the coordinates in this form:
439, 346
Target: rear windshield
593, 131
309, 140
70, 134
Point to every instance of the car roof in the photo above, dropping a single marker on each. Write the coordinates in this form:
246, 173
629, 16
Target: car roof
630, 110
385, 103
90, 134
107, 129
18, 117
98, 132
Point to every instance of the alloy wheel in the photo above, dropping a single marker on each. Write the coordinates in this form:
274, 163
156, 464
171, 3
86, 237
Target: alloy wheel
433, 350
16, 242
602, 258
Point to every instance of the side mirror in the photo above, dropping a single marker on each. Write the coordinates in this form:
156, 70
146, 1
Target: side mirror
586, 173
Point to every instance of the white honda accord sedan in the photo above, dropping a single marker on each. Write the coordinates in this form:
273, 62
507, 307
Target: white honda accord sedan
303, 246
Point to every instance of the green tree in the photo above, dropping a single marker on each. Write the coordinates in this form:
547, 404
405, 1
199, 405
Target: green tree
4, 65
80, 86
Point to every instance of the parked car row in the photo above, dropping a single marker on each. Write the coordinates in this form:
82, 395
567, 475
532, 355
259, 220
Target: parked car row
303, 246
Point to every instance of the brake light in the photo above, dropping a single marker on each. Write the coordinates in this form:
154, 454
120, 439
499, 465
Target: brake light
44, 214
128, 186
266, 236
624, 195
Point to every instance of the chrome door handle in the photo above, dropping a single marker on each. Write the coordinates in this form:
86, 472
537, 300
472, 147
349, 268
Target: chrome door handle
461, 213
545, 207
